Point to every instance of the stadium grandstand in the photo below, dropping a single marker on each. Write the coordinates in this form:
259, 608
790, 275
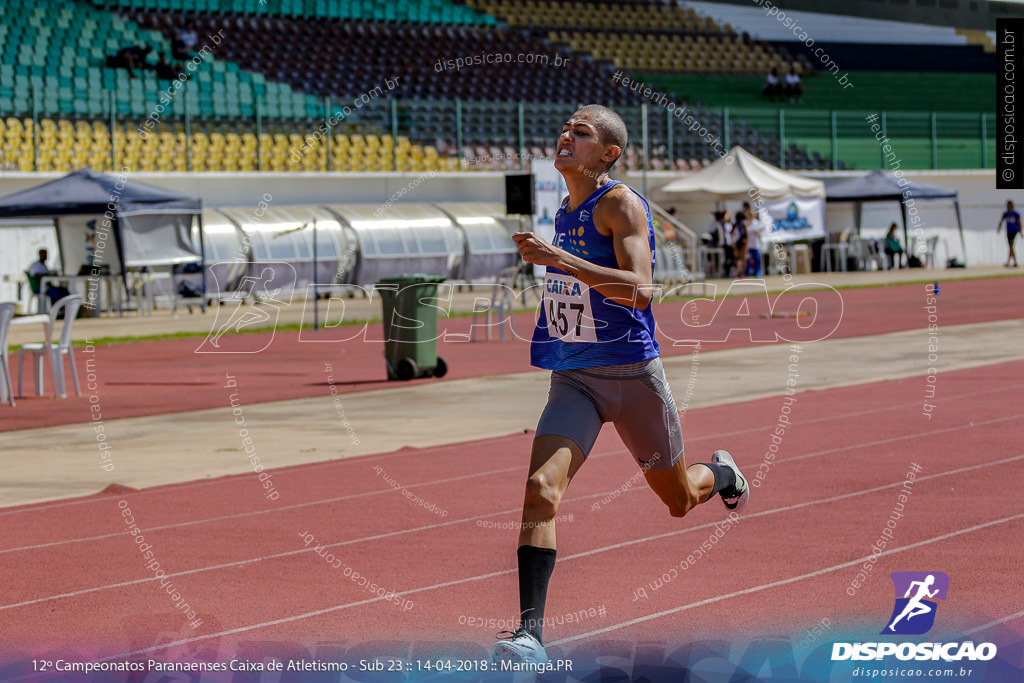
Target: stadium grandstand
260, 75
183, 88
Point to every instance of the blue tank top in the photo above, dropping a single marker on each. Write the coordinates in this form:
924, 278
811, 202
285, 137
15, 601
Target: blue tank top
578, 327
1012, 221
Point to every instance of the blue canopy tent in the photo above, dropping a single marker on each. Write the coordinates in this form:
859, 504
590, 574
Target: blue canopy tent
110, 222
884, 186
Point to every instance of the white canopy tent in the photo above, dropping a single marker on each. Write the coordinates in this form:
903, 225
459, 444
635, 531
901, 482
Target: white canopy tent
791, 205
738, 174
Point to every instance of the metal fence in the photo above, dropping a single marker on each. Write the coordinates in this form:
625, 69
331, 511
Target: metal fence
465, 135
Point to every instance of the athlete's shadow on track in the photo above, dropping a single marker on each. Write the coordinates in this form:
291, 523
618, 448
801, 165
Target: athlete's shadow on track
354, 382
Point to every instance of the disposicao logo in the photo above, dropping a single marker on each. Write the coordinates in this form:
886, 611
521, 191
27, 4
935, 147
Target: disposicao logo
917, 596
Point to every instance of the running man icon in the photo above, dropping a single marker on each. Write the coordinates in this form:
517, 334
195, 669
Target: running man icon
263, 314
240, 318
916, 607
920, 592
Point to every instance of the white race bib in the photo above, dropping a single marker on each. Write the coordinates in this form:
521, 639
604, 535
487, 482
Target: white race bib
567, 307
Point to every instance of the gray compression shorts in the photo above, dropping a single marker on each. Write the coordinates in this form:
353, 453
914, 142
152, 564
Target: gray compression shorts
635, 397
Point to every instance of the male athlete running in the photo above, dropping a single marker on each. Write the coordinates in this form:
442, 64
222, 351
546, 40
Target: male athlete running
596, 335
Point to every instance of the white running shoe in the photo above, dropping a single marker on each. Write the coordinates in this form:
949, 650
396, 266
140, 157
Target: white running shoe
736, 499
519, 646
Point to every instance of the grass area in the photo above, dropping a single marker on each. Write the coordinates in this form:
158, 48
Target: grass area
904, 99
288, 327
871, 91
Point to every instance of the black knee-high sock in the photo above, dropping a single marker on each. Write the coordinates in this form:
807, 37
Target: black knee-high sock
725, 477
535, 567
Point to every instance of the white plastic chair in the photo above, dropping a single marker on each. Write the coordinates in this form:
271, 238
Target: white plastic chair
501, 302
56, 352
6, 316
924, 248
932, 247
875, 256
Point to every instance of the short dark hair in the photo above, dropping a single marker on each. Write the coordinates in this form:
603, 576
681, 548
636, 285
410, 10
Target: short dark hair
610, 127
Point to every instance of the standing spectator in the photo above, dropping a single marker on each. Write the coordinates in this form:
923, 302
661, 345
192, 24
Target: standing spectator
771, 85
893, 248
793, 88
728, 253
667, 228
739, 244
716, 233
754, 230
716, 236
1012, 219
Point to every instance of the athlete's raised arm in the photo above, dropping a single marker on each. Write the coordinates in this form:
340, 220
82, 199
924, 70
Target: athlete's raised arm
620, 214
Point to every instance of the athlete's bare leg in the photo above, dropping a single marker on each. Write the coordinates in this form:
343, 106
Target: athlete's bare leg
682, 488
554, 461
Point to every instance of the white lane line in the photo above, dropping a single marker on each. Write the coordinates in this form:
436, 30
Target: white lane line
267, 511
783, 582
797, 506
615, 546
707, 601
324, 501
356, 460
407, 452
997, 622
905, 437
288, 553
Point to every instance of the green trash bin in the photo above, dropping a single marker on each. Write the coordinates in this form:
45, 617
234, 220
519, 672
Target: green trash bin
410, 326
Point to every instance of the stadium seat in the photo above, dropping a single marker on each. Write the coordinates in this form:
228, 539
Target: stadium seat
54, 51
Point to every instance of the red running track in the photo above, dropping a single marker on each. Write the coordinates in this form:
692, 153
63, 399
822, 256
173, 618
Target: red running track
71, 577
157, 377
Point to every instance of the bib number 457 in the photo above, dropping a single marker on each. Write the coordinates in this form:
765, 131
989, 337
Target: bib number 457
561, 313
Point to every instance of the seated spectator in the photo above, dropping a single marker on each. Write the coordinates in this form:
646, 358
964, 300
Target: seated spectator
793, 88
122, 59
141, 53
131, 58
39, 270
184, 43
771, 85
166, 71
893, 248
